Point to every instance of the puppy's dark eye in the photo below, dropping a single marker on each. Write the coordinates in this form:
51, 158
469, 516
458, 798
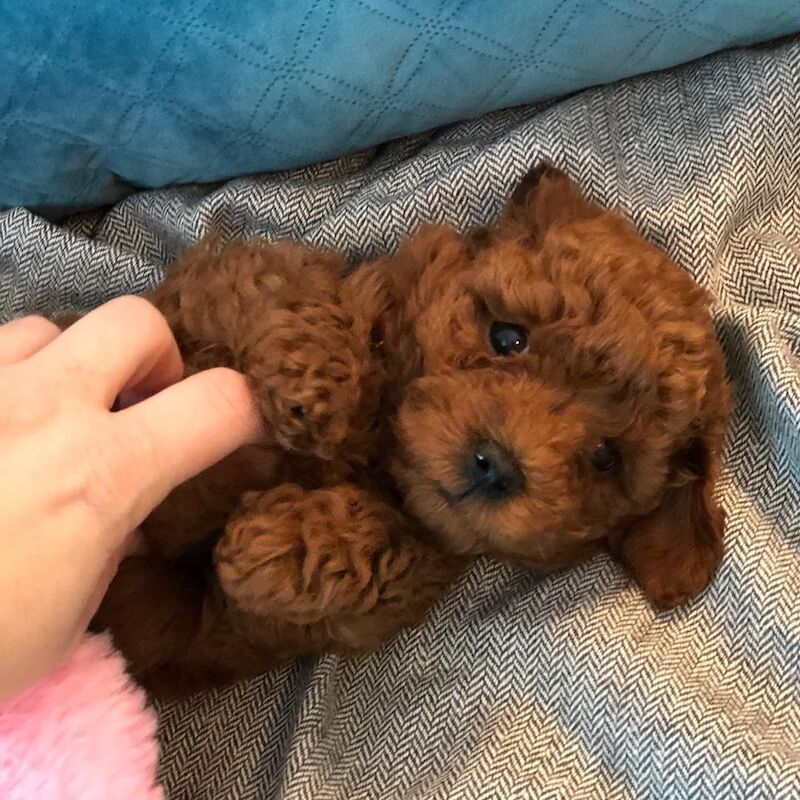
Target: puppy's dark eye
605, 456
507, 338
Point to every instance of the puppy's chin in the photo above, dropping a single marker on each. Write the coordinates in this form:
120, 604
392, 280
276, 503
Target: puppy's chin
425, 499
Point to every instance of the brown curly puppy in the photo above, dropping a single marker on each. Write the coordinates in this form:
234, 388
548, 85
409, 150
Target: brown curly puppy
539, 390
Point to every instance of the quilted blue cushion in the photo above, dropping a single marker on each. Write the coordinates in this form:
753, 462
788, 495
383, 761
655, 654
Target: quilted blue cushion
97, 98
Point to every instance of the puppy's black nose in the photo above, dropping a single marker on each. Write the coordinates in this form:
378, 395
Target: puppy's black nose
493, 473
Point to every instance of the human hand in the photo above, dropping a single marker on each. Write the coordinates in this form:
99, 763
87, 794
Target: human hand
76, 478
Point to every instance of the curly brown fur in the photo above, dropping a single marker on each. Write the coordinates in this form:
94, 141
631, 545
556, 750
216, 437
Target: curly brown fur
403, 444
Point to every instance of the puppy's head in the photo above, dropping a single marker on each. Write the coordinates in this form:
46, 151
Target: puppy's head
570, 390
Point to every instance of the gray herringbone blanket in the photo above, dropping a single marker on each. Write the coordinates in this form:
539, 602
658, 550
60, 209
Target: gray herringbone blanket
569, 687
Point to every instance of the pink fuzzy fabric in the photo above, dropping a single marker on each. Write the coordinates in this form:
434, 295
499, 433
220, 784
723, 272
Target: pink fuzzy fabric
83, 733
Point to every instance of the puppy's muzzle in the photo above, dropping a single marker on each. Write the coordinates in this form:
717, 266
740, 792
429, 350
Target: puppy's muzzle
492, 473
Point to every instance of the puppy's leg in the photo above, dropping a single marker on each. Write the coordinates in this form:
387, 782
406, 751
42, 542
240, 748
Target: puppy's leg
272, 312
275, 313
174, 628
306, 367
337, 559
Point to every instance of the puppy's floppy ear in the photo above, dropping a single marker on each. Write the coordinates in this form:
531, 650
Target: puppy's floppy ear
674, 551
545, 197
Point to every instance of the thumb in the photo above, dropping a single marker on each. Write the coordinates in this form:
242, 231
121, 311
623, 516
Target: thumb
183, 430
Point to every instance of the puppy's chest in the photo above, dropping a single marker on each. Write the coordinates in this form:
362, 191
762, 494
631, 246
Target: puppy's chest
363, 459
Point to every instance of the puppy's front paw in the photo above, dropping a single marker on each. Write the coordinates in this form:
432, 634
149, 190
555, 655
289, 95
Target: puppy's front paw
305, 555
306, 376
308, 405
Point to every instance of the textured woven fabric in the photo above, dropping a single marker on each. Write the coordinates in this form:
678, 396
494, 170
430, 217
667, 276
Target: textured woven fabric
569, 687
100, 96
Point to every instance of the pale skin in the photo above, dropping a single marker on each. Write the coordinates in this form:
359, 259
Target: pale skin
76, 478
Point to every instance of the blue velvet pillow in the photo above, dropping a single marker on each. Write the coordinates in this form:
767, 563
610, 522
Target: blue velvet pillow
97, 98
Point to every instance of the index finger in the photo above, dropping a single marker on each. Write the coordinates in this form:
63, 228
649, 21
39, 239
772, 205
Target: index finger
122, 344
